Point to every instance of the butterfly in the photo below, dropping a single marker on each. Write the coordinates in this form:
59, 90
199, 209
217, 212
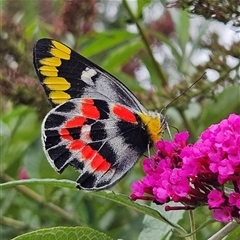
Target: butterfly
96, 125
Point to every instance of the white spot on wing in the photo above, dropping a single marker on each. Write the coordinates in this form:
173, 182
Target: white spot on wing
85, 133
87, 76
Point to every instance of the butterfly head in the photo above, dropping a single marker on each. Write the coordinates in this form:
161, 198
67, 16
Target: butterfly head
155, 124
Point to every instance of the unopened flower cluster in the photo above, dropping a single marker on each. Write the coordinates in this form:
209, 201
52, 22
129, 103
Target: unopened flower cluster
204, 173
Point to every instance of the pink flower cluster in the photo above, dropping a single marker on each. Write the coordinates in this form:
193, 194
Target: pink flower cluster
197, 174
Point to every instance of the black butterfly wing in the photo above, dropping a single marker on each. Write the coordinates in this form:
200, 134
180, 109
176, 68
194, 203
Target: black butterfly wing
65, 74
98, 141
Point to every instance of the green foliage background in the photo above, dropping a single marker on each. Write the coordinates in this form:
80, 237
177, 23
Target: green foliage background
90, 28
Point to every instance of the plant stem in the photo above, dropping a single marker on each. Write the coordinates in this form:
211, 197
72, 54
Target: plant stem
146, 43
224, 231
192, 224
13, 223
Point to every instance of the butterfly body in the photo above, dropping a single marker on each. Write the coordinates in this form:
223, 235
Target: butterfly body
96, 125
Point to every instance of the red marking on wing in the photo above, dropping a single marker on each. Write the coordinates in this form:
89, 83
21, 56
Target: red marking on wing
88, 153
75, 122
88, 101
64, 133
76, 145
89, 110
97, 161
100, 164
124, 114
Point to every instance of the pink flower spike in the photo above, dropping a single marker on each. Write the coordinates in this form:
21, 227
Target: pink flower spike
225, 168
196, 174
223, 214
161, 194
165, 147
181, 138
234, 154
234, 199
234, 120
215, 198
147, 168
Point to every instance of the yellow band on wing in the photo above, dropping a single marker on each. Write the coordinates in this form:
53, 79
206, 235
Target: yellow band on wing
60, 51
59, 97
48, 71
57, 83
51, 61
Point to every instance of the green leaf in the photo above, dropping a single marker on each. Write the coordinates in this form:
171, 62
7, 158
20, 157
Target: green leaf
154, 76
156, 230
225, 103
122, 54
64, 233
182, 29
46, 181
24, 128
106, 40
33, 159
140, 6
125, 200
115, 197
30, 29
28, 12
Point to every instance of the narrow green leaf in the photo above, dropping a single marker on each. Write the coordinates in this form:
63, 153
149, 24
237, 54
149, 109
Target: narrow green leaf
46, 181
182, 29
122, 54
154, 76
106, 40
30, 29
225, 103
64, 233
29, 12
141, 5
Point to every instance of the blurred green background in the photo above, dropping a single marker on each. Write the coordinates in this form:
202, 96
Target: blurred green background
155, 51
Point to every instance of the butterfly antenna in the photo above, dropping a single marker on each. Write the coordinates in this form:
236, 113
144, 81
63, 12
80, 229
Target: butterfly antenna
148, 148
174, 128
169, 132
184, 91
